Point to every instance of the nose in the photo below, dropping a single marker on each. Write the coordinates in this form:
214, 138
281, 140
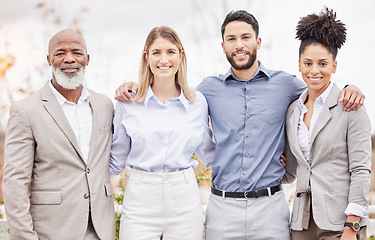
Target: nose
239, 44
315, 69
69, 58
163, 58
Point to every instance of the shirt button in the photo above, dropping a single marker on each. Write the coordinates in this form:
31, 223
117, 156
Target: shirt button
246, 154
248, 98
248, 116
247, 135
86, 196
244, 173
87, 170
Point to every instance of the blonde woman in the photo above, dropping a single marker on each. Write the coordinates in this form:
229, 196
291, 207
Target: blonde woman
156, 135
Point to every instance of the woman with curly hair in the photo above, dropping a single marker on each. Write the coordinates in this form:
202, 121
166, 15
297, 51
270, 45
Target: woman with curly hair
328, 149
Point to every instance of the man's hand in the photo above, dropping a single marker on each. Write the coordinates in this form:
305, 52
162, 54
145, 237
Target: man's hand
352, 98
122, 93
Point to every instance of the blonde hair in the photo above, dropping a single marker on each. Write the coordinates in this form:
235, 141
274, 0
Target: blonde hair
146, 77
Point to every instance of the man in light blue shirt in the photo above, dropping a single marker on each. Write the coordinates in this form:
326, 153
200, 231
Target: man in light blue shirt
247, 106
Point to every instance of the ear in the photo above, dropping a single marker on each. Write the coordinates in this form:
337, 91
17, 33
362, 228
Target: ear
222, 45
145, 55
182, 54
334, 66
259, 42
88, 59
49, 60
299, 65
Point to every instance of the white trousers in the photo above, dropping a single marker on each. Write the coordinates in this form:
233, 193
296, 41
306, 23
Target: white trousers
262, 218
158, 204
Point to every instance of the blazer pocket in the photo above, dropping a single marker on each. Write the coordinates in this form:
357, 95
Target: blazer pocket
108, 189
335, 208
45, 197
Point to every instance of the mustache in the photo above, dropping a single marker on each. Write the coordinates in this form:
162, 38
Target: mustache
73, 65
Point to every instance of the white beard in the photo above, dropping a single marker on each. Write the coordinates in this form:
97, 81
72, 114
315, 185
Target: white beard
69, 80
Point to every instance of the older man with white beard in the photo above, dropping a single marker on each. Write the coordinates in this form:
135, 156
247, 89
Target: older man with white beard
56, 181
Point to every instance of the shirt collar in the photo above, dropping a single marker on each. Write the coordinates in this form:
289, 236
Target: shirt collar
261, 70
85, 95
150, 94
322, 98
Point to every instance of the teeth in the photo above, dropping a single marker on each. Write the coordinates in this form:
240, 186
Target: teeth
163, 68
240, 54
314, 79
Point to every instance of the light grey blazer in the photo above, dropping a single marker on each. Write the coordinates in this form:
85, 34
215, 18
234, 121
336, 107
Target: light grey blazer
45, 177
340, 157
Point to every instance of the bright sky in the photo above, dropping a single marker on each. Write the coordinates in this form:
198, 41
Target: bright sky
115, 31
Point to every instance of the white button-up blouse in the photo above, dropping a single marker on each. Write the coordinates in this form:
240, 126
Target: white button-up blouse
156, 137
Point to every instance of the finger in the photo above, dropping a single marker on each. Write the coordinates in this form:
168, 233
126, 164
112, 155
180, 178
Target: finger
342, 96
347, 101
135, 88
361, 102
282, 163
356, 104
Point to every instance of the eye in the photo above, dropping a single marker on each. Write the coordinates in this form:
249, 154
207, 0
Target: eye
323, 64
59, 54
307, 64
171, 52
230, 39
155, 53
78, 53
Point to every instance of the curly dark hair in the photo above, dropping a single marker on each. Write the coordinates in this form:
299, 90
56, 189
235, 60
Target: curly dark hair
323, 29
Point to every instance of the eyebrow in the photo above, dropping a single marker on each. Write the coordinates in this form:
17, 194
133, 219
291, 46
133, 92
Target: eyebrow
169, 49
323, 59
244, 34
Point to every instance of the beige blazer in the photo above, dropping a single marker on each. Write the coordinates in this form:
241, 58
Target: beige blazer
45, 178
340, 158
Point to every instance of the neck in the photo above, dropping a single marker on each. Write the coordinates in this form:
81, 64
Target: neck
165, 89
315, 93
72, 95
247, 74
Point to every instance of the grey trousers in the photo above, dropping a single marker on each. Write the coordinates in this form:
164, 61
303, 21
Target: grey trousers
244, 219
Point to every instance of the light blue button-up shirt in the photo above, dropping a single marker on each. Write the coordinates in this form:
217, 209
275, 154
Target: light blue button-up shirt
248, 121
156, 137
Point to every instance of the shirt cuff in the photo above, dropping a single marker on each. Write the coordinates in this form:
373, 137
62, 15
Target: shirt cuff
356, 210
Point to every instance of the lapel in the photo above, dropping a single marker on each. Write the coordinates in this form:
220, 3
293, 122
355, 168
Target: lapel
95, 106
325, 114
54, 109
293, 120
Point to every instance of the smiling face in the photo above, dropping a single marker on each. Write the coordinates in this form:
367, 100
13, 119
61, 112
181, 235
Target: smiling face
240, 45
164, 58
316, 65
68, 57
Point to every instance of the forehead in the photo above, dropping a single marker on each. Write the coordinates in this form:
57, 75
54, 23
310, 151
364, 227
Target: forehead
316, 50
161, 42
238, 28
67, 42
